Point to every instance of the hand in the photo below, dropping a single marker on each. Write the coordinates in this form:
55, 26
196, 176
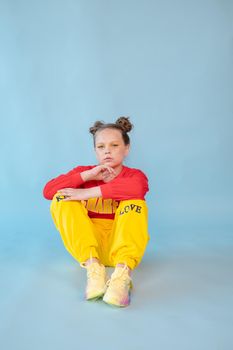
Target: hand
108, 176
102, 172
73, 194
79, 194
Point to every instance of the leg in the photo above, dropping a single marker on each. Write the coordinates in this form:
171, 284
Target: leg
126, 248
80, 238
76, 229
130, 235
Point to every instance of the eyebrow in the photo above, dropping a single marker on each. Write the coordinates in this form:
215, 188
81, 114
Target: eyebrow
100, 143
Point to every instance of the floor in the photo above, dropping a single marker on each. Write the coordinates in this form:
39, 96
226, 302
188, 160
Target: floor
182, 297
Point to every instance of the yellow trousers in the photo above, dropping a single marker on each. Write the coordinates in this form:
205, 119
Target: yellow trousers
119, 240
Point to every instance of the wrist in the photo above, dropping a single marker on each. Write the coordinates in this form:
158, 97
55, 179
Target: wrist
85, 175
92, 192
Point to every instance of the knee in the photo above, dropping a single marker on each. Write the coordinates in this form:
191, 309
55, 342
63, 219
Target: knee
136, 206
55, 199
55, 195
57, 202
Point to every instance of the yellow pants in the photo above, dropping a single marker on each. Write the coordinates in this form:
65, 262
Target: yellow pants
122, 240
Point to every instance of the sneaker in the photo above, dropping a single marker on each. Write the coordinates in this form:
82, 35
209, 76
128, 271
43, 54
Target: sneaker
96, 280
119, 287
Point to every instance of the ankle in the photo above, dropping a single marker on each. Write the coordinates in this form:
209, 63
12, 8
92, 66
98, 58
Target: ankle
123, 265
92, 260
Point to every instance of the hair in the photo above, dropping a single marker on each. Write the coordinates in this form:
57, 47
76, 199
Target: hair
122, 124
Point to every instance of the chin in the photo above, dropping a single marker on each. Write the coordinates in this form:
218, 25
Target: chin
108, 162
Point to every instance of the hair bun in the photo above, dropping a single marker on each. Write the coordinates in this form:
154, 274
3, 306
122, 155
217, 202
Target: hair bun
96, 126
124, 123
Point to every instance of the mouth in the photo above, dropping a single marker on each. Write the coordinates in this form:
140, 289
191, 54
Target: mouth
108, 159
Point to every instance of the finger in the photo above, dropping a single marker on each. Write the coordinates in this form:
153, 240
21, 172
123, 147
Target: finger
64, 190
107, 178
67, 199
105, 172
63, 193
111, 170
104, 167
68, 190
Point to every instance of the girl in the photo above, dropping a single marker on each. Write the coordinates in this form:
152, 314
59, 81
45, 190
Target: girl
101, 214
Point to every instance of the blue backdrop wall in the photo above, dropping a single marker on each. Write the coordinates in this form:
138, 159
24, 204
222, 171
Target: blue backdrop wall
167, 65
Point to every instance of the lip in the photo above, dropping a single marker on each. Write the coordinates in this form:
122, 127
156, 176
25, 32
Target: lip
108, 158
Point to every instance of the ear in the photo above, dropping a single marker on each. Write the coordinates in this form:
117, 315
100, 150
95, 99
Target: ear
127, 150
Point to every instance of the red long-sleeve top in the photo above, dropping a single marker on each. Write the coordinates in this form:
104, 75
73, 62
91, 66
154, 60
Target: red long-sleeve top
131, 183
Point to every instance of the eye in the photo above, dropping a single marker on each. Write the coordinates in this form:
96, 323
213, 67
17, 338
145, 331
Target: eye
100, 146
115, 145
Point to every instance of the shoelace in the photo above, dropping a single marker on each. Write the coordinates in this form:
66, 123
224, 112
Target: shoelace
120, 279
93, 269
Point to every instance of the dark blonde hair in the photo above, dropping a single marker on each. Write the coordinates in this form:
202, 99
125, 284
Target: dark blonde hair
122, 124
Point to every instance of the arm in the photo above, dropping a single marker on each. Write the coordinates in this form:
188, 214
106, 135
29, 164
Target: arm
73, 179
78, 194
134, 186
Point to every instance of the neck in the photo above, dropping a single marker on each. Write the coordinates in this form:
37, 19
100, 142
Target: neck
118, 169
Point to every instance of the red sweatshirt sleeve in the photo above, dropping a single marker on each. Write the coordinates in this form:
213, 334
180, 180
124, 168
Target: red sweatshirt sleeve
133, 186
71, 179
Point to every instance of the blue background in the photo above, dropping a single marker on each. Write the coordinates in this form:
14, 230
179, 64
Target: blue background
167, 65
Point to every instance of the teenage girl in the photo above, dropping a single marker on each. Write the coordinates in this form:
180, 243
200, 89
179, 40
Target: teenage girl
101, 213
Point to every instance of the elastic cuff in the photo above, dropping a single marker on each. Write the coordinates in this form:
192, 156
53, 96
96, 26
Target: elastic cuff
91, 252
131, 263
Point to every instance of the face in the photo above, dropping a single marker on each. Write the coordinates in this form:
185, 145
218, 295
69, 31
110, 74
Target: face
110, 148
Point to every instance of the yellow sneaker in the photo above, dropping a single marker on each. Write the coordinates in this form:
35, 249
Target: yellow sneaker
96, 280
119, 287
